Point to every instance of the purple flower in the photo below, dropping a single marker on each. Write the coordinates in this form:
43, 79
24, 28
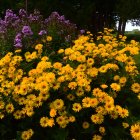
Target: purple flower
10, 16
35, 16
26, 30
55, 14
82, 31
42, 32
62, 18
67, 21
18, 45
18, 40
22, 13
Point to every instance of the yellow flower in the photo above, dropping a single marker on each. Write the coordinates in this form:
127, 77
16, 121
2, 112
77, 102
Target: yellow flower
87, 88
102, 130
132, 69
72, 85
93, 102
38, 46
2, 104
134, 50
43, 96
97, 137
85, 125
114, 114
122, 80
60, 51
44, 58
43, 86
118, 109
125, 125
116, 77
44, 121
76, 107
97, 118
82, 82
61, 79
138, 96
135, 87
103, 69
57, 65
58, 104
115, 87
93, 72
90, 61
50, 122
96, 91
38, 102
100, 110
50, 77
124, 38
80, 92
68, 51
81, 58
18, 114
122, 57
71, 97
26, 135
53, 112
1, 115
49, 38
86, 102
9, 108
62, 120
18, 51
135, 131
104, 86
120, 36
109, 107
72, 119
124, 113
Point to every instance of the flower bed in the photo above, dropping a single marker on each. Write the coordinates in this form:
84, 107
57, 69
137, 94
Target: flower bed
90, 90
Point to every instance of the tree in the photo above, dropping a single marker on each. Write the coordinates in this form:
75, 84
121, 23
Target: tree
126, 10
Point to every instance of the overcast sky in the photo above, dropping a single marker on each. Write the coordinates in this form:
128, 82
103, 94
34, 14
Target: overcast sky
129, 27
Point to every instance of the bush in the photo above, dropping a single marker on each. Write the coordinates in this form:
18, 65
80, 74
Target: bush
91, 91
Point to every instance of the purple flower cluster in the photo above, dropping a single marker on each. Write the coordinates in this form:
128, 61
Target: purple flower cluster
59, 19
22, 13
20, 24
18, 41
10, 16
35, 16
22, 27
26, 30
64, 28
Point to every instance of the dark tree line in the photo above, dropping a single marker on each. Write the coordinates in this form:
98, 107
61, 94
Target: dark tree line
93, 15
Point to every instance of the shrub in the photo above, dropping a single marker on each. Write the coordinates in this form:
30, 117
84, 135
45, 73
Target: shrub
91, 92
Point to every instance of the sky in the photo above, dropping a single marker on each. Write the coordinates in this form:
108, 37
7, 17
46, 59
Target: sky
129, 27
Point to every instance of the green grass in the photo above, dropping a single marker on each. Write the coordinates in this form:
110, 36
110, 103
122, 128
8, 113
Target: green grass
132, 36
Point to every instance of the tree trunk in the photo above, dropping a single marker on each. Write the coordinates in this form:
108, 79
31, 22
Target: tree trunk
123, 26
120, 28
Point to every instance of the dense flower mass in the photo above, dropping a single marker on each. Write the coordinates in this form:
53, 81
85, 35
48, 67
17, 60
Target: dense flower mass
88, 90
